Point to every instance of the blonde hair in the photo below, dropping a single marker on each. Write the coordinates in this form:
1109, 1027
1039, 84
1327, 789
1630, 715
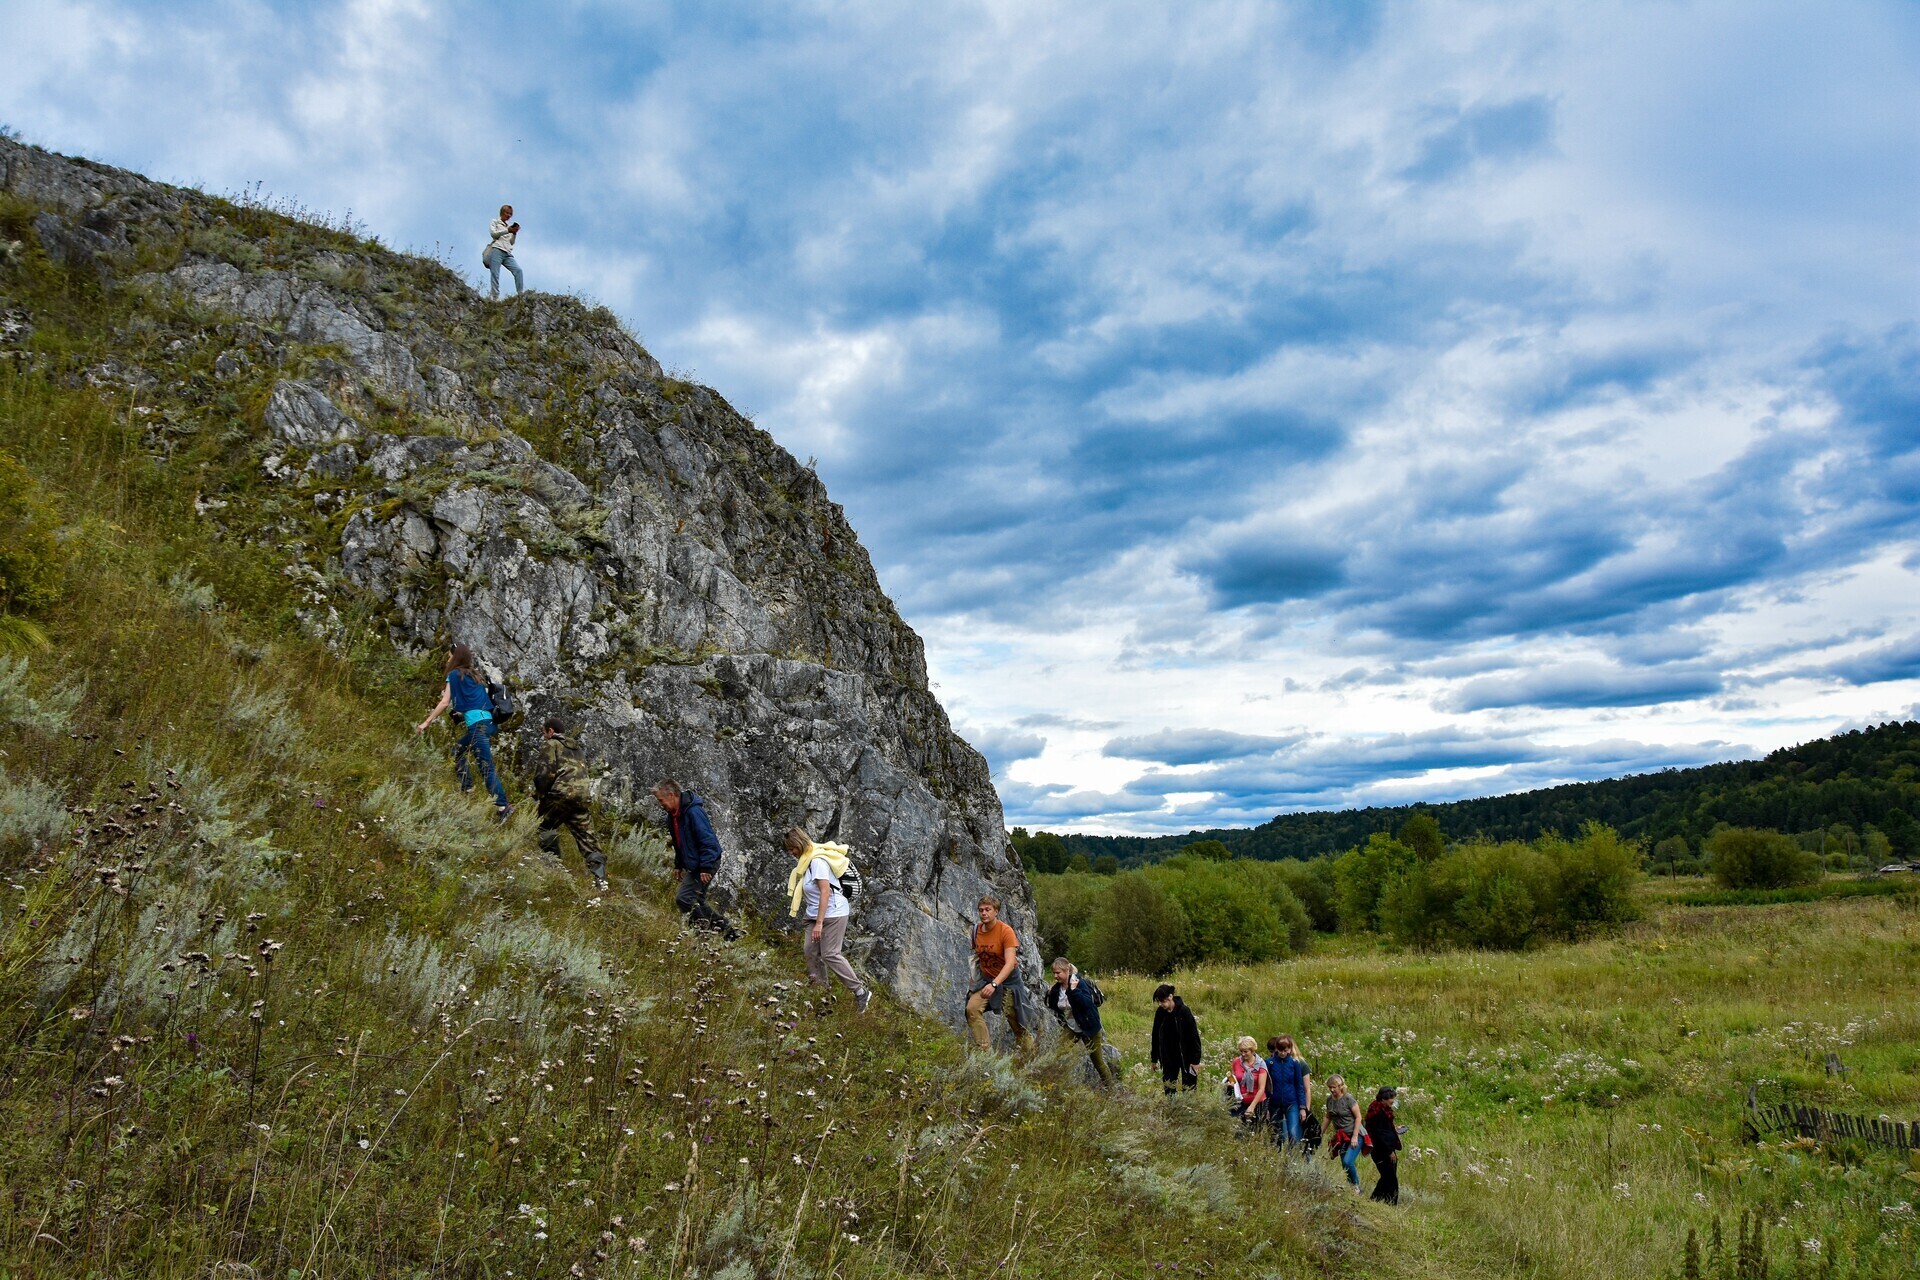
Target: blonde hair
1248, 1042
1336, 1082
797, 841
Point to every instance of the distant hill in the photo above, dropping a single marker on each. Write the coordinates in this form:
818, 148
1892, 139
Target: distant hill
1866, 777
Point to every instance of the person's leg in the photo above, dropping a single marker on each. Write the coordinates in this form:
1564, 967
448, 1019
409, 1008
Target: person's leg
833, 936
583, 839
1290, 1125
692, 900
811, 947
519, 281
1189, 1080
1097, 1050
462, 748
483, 752
1350, 1161
549, 837
1016, 1018
492, 259
1170, 1080
687, 895
977, 1019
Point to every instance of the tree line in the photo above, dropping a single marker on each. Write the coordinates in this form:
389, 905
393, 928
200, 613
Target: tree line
1860, 788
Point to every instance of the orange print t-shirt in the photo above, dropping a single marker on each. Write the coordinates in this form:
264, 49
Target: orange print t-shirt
990, 946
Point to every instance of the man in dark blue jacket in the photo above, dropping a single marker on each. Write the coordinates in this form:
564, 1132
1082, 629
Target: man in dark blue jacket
1072, 1000
696, 855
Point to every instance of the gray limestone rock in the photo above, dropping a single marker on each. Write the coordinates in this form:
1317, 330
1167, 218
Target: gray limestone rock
302, 415
623, 545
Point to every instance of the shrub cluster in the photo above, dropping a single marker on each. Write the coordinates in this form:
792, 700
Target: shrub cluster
1184, 911
1746, 858
1204, 905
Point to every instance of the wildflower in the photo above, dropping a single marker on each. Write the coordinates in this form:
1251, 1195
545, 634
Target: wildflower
364, 1144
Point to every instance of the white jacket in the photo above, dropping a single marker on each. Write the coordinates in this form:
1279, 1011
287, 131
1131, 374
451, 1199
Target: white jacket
503, 236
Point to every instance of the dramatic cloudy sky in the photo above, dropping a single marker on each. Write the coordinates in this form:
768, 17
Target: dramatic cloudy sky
1255, 406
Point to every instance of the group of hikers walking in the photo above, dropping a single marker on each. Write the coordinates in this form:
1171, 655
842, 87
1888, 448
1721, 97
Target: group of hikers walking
1275, 1091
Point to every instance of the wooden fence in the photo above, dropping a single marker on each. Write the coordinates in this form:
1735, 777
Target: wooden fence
1817, 1122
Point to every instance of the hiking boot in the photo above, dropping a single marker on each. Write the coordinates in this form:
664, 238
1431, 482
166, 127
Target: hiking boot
862, 1000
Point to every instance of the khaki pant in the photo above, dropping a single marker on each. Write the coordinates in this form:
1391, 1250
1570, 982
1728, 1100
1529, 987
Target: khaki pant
979, 1004
1097, 1050
823, 956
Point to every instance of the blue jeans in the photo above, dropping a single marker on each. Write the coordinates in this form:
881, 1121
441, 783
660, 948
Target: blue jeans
1350, 1161
1286, 1124
496, 259
477, 742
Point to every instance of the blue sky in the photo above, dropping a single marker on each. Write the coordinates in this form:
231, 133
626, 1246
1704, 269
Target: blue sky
1254, 406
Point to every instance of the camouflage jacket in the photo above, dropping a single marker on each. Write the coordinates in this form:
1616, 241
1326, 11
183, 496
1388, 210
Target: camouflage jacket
561, 774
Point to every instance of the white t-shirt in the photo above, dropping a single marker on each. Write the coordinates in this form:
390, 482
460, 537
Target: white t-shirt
836, 903
1066, 1007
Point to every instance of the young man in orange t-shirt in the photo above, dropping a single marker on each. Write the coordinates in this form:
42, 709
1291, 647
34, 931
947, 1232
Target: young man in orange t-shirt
996, 956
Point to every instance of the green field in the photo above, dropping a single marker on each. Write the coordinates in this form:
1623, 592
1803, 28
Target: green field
1575, 1109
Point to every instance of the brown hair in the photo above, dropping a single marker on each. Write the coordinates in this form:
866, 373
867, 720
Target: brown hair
987, 899
797, 841
461, 659
1276, 1044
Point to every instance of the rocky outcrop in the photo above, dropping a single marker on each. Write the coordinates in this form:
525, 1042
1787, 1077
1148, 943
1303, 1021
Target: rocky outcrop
624, 546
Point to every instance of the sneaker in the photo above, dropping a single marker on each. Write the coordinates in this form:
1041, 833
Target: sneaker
862, 1000
504, 812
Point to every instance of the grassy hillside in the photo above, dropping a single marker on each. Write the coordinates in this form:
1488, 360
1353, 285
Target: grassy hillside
1575, 1110
1868, 777
275, 1001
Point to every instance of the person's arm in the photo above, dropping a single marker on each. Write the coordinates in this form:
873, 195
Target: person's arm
826, 896
446, 700
706, 845
1306, 1093
1259, 1090
1013, 962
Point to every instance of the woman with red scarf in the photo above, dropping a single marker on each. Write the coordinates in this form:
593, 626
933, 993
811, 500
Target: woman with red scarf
1384, 1137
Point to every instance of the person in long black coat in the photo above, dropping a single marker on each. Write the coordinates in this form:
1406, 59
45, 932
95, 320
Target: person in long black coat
1176, 1040
1385, 1136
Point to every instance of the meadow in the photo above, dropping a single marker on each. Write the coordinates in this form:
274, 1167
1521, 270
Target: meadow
1575, 1109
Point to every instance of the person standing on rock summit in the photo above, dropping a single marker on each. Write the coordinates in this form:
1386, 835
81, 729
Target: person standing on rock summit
503, 232
696, 855
996, 953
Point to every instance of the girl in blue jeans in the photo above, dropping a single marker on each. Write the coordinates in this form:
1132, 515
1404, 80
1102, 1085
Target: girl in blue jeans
1343, 1127
466, 694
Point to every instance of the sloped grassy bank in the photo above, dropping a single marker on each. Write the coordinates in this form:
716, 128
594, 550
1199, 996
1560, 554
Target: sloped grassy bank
272, 996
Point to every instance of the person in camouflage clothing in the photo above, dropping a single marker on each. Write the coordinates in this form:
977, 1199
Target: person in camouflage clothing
560, 789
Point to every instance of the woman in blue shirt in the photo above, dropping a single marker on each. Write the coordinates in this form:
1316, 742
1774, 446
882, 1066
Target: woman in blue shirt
466, 694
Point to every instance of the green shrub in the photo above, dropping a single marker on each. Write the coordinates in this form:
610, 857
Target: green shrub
1361, 877
1228, 917
1593, 878
1747, 858
1137, 926
1065, 904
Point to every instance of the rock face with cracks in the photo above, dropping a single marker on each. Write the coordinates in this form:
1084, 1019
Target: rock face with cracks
623, 546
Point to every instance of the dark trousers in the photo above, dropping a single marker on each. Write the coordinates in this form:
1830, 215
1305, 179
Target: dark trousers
691, 898
1388, 1188
477, 743
572, 815
1178, 1079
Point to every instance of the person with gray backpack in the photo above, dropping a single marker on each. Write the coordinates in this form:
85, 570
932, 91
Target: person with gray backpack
823, 886
1076, 1001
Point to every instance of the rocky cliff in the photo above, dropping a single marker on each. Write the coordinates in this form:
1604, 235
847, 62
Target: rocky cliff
623, 545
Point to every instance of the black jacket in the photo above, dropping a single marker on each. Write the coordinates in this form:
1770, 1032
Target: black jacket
1381, 1129
1176, 1038
1080, 1001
